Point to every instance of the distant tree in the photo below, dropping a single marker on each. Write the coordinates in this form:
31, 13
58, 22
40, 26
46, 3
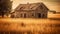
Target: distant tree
5, 7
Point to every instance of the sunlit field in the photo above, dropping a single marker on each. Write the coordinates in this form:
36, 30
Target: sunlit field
29, 26
52, 15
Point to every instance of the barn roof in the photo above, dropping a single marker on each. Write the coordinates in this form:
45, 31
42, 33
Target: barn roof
28, 6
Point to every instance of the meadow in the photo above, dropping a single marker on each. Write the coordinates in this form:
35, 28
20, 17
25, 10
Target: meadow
29, 26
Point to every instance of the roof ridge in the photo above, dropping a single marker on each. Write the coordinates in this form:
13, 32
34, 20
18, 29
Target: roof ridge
33, 3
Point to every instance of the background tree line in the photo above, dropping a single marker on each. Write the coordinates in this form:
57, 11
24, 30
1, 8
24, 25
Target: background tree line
5, 7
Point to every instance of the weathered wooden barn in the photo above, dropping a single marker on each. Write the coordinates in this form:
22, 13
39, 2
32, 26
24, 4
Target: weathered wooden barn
30, 10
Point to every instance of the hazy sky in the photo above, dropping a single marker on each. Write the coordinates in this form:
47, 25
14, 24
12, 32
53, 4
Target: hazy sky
51, 4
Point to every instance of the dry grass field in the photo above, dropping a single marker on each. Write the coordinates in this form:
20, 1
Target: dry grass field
29, 26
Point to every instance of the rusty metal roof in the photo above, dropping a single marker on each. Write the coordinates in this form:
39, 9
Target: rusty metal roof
29, 6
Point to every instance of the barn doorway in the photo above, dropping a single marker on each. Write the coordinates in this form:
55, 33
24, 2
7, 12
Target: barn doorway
24, 15
39, 15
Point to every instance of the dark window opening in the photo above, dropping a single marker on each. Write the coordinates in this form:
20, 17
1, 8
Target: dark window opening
24, 15
32, 14
41, 7
39, 15
21, 8
32, 7
43, 15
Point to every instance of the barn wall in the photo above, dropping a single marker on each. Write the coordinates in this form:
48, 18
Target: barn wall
29, 14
